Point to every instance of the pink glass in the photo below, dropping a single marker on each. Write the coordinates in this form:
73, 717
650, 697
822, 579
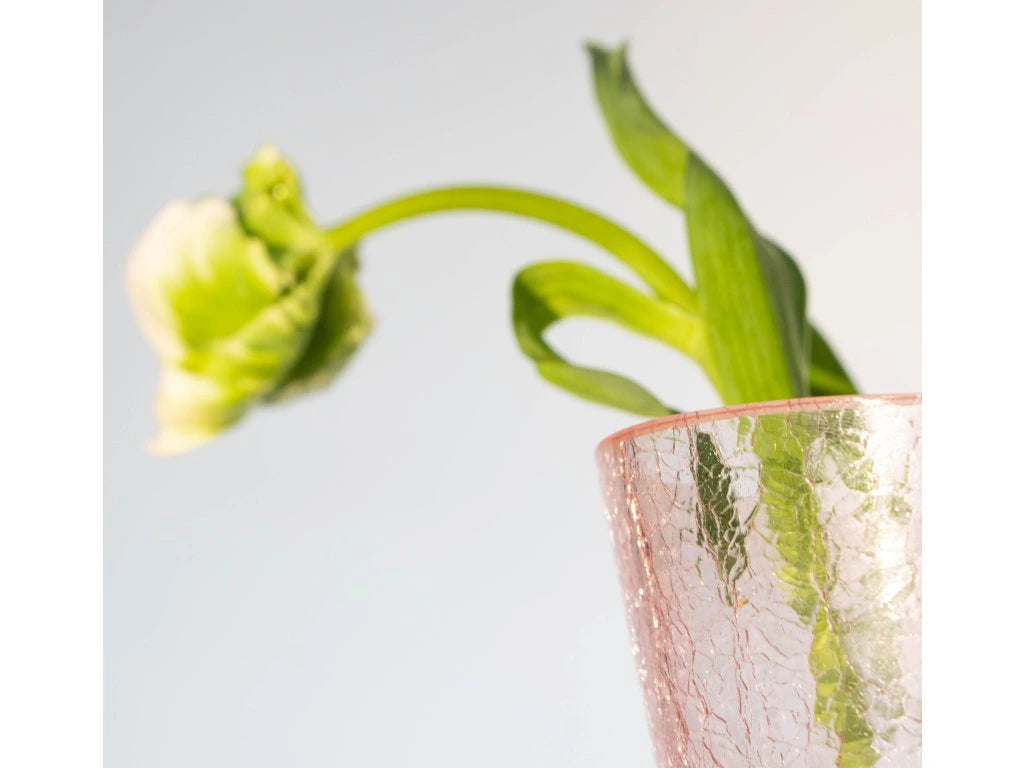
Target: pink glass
770, 558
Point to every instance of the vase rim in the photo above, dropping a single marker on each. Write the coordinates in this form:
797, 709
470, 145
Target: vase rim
709, 415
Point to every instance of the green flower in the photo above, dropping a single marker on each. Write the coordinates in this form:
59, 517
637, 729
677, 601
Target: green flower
244, 302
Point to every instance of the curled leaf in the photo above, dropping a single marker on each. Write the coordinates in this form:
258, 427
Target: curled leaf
545, 293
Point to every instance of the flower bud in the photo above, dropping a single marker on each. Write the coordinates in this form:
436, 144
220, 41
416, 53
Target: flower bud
243, 303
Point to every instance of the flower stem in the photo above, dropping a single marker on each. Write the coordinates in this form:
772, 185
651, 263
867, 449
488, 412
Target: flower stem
622, 244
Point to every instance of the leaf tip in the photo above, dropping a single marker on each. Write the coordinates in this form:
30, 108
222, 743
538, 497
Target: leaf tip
601, 54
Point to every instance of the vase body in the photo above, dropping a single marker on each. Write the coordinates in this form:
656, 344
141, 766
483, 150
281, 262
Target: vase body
770, 559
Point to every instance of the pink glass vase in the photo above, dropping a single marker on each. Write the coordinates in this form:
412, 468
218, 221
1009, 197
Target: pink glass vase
770, 557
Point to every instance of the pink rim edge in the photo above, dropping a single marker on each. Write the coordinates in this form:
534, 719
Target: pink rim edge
751, 409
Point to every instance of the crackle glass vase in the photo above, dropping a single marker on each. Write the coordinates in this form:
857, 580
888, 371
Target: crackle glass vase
770, 557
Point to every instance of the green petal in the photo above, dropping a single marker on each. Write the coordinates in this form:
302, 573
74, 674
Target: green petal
213, 388
196, 277
343, 324
193, 409
271, 203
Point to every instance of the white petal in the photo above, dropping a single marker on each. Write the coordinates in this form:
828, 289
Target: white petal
176, 253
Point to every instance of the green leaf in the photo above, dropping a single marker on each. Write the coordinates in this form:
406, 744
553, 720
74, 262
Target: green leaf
647, 145
788, 446
720, 530
788, 296
545, 293
750, 294
753, 301
827, 374
343, 324
660, 159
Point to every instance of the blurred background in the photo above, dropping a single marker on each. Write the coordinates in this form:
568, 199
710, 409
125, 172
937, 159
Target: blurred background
413, 567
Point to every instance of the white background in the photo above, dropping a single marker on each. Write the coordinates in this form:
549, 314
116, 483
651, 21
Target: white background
413, 567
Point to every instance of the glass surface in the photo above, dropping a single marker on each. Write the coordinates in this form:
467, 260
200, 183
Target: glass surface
770, 558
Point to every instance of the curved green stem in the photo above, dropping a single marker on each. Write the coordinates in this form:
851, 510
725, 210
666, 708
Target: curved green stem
622, 244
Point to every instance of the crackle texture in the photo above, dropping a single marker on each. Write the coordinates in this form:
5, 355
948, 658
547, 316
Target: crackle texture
770, 558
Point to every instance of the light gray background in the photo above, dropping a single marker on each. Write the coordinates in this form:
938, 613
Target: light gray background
412, 568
